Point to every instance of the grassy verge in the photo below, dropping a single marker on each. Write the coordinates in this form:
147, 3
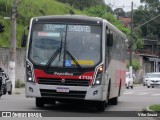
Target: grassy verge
155, 108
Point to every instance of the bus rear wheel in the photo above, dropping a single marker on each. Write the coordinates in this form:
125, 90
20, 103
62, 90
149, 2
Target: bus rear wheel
114, 101
39, 102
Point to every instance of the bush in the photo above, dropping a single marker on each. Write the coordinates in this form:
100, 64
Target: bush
135, 64
155, 108
18, 84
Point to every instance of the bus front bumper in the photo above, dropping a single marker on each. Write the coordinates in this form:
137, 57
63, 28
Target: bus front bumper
66, 92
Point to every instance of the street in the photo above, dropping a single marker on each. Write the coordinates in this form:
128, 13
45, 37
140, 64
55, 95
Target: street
136, 99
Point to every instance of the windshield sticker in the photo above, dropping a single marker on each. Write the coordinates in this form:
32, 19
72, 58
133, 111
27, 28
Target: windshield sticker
79, 28
48, 34
84, 62
67, 63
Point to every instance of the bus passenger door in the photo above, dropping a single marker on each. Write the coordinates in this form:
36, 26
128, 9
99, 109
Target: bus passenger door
107, 58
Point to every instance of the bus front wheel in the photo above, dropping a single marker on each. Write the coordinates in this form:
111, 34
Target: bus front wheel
39, 102
101, 106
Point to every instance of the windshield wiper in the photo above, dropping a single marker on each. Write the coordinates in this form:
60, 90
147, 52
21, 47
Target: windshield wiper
60, 48
75, 61
53, 57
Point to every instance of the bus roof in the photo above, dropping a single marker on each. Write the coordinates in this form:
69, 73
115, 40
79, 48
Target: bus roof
80, 19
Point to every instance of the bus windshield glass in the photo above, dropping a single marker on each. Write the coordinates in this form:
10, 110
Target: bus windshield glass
82, 42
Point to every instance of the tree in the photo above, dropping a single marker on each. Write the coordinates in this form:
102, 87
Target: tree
100, 11
145, 13
119, 12
1, 28
135, 64
81, 4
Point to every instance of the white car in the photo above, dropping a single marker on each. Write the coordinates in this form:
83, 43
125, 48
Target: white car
129, 80
145, 77
153, 79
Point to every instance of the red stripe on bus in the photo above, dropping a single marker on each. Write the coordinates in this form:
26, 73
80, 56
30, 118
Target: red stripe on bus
42, 74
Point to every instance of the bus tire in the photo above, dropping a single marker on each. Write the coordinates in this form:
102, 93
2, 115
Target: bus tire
0, 94
109, 88
119, 92
39, 102
114, 101
101, 106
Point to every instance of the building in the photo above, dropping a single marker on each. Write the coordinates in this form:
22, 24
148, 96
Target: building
126, 21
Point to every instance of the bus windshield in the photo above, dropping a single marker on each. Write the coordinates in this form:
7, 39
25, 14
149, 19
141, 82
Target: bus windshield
82, 42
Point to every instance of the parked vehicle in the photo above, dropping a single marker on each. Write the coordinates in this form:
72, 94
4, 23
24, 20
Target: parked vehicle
5, 84
129, 80
145, 79
153, 79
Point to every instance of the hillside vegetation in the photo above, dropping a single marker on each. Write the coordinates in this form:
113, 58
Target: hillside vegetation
30, 8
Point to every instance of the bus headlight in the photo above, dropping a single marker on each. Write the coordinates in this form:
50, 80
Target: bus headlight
98, 79
29, 75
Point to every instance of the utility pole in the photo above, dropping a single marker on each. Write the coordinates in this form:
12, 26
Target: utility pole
131, 39
12, 50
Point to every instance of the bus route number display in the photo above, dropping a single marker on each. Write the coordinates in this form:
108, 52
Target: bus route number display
53, 27
79, 28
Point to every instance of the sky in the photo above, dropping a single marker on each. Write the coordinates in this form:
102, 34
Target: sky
125, 4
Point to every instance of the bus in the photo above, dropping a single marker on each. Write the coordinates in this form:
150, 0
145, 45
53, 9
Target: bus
74, 58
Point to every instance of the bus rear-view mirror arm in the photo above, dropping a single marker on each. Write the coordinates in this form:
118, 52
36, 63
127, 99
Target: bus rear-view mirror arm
110, 40
24, 37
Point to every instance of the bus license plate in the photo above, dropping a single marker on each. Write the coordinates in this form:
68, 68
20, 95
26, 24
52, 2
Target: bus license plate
61, 89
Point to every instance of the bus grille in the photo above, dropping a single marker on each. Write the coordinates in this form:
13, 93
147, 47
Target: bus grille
66, 82
70, 94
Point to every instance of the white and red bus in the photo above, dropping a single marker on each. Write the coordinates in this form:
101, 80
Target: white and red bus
74, 57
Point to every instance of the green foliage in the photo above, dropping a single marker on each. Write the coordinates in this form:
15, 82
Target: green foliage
119, 12
155, 108
32, 8
100, 11
26, 10
135, 64
82, 4
146, 13
137, 40
18, 84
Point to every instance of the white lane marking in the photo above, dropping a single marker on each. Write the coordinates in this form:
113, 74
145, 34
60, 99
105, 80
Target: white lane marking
156, 94
142, 94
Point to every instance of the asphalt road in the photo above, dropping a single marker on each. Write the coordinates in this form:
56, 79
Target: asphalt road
136, 99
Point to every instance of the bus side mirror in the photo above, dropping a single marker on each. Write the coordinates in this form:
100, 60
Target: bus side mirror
110, 40
24, 38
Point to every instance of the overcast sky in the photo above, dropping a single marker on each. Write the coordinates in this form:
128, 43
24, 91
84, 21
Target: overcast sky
125, 4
